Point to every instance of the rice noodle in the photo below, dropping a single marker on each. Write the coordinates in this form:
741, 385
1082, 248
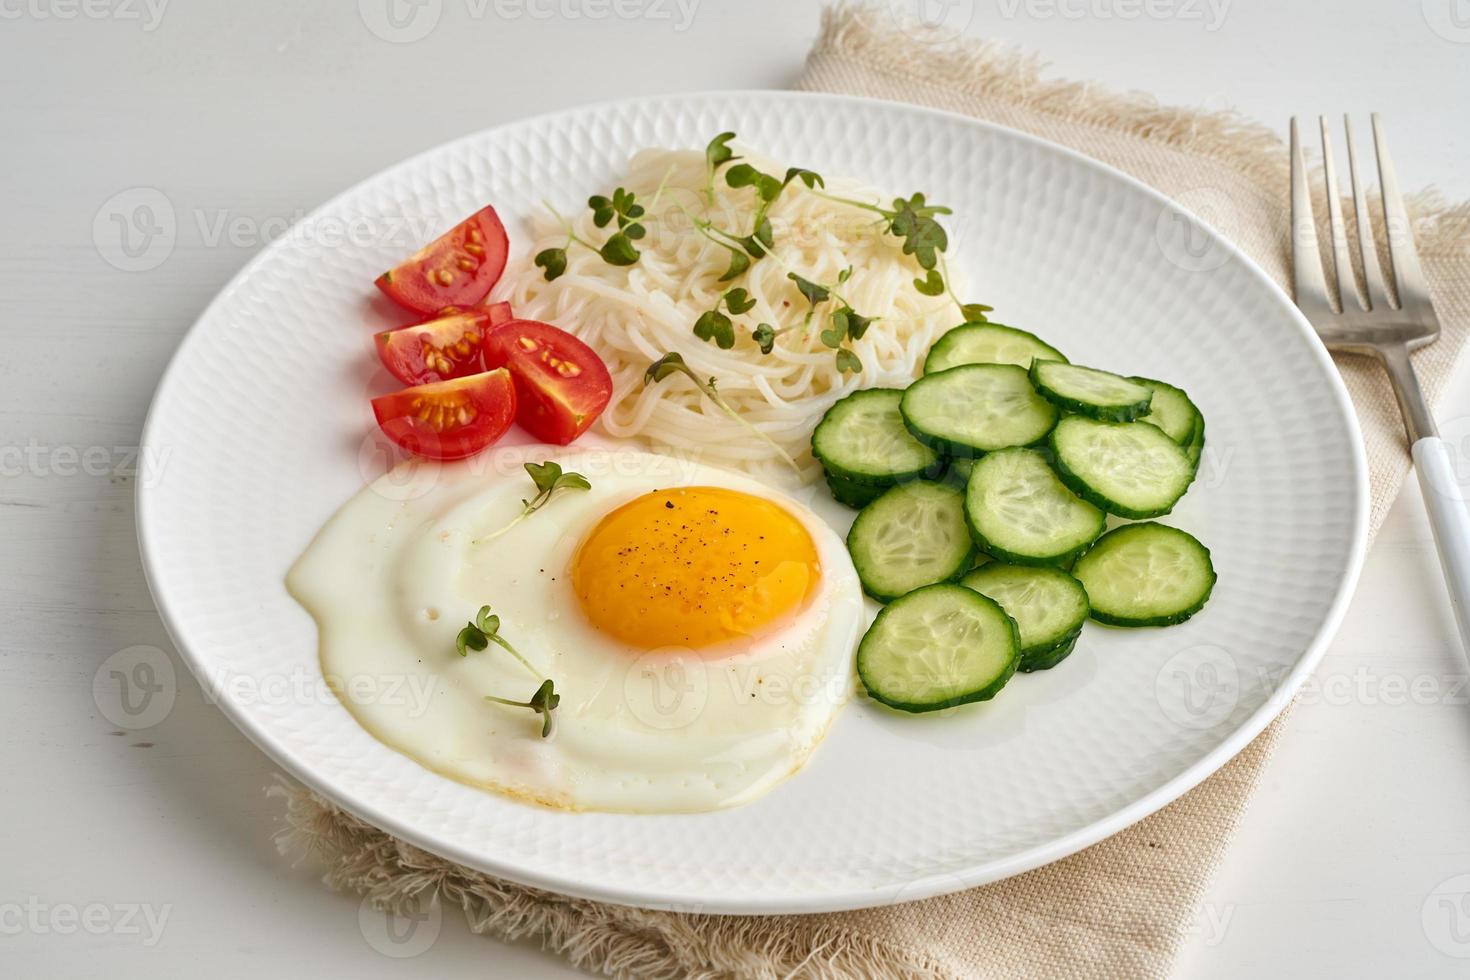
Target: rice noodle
633, 315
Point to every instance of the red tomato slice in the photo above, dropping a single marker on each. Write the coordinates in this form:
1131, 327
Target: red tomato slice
456, 269
449, 419
440, 348
499, 311
561, 383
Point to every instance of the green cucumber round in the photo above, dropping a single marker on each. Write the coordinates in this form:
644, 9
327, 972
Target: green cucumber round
912, 536
987, 343
938, 647
1146, 575
1088, 391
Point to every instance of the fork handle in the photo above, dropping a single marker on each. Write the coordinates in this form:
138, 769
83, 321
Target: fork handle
1444, 498
1450, 520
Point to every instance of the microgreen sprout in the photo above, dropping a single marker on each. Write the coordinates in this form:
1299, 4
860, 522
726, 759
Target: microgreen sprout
762, 237
846, 323
715, 325
673, 363
543, 702
484, 631
914, 222
549, 480
716, 155
622, 211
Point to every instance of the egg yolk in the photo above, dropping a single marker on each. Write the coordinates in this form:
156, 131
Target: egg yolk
694, 567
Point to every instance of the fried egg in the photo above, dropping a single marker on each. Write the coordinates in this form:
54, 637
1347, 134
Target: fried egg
697, 625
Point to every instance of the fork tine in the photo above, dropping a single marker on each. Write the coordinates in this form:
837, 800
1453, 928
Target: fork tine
1372, 271
1342, 260
1409, 282
1306, 261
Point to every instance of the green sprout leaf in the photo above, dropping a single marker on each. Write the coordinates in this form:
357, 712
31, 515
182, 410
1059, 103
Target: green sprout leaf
470, 638
619, 250
923, 237
848, 362
815, 293
718, 152
856, 323
487, 623
738, 301
716, 326
810, 178
739, 263
670, 364
764, 336
553, 260
760, 241
744, 175
931, 285
975, 312
544, 702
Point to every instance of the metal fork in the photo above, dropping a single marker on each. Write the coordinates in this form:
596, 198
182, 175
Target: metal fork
1379, 328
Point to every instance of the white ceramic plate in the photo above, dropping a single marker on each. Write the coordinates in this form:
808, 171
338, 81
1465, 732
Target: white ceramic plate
263, 419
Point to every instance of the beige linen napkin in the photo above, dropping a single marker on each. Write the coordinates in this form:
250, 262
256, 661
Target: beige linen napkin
1122, 907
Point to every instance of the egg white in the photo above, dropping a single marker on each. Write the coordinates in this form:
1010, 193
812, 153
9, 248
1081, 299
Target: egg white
395, 574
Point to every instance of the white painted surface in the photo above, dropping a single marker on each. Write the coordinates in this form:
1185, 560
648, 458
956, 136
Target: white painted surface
1354, 859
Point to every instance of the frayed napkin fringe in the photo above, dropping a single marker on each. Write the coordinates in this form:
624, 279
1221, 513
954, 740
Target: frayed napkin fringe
617, 941
870, 35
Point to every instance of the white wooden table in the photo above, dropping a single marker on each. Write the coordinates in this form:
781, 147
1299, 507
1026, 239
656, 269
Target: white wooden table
148, 853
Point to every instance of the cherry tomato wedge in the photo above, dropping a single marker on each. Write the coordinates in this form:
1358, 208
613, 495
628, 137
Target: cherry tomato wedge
561, 383
440, 348
449, 419
456, 269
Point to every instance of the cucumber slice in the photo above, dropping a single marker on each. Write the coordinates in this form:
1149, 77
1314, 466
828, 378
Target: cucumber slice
938, 647
1170, 410
1126, 468
1146, 575
987, 343
1196, 446
1047, 659
1048, 605
912, 536
862, 438
977, 408
1020, 512
1088, 391
849, 494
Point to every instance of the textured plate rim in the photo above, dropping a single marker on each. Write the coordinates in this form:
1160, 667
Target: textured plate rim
920, 887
